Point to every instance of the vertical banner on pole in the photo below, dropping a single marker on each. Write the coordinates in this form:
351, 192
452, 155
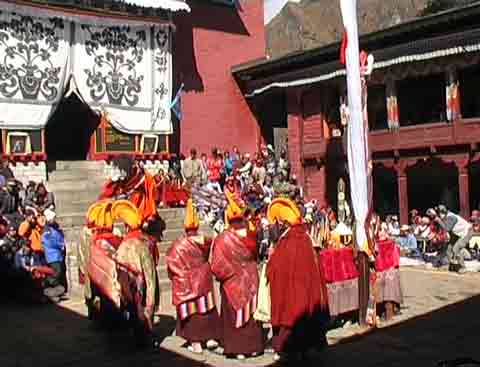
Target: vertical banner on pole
357, 149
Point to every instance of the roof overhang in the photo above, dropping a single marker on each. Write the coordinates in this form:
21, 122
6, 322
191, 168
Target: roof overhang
113, 14
321, 63
467, 42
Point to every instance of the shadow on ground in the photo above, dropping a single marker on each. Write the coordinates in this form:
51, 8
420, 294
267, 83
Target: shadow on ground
55, 336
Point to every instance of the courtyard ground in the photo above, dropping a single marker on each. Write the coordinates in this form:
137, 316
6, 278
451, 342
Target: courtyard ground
439, 321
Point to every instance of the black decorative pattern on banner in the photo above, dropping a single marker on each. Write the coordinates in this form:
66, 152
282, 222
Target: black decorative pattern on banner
27, 66
161, 65
114, 72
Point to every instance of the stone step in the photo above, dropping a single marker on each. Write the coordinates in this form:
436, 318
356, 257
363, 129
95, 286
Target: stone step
172, 213
72, 176
74, 185
73, 206
87, 197
75, 165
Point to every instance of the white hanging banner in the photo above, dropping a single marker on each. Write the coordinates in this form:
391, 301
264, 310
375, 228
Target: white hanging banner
34, 56
123, 71
357, 149
117, 71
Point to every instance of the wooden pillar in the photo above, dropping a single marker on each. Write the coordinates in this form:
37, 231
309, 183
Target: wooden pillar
295, 132
464, 190
402, 193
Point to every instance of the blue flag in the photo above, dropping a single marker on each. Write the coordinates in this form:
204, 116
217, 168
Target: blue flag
176, 104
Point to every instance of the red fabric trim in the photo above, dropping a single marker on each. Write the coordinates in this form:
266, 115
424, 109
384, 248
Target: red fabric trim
343, 48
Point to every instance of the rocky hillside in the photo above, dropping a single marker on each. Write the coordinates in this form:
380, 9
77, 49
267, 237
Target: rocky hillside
313, 23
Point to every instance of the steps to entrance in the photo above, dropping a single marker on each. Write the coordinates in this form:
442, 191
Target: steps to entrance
76, 186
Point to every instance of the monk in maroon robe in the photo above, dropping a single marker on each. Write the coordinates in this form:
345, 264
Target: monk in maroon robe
198, 321
297, 289
234, 265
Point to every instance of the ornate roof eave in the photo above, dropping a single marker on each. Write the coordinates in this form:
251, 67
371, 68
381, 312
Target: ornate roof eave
467, 42
113, 12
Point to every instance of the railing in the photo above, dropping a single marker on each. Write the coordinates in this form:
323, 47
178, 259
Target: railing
461, 132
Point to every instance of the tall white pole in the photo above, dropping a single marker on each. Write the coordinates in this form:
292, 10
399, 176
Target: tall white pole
357, 149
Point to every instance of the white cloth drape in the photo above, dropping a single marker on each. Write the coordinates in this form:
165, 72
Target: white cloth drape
34, 58
123, 71
357, 149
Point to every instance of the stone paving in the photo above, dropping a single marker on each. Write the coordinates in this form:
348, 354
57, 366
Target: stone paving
438, 321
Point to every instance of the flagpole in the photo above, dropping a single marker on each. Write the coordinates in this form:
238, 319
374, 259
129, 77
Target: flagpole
357, 150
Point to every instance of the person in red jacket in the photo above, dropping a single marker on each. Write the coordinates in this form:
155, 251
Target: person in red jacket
298, 290
198, 321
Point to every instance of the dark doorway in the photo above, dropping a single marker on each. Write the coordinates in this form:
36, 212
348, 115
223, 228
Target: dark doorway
271, 111
474, 185
385, 191
68, 132
432, 182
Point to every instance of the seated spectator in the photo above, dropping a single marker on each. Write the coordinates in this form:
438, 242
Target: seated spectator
30, 229
10, 202
53, 243
407, 241
5, 170
25, 259
40, 199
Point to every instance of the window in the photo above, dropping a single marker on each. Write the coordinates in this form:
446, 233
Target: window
116, 141
469, 79
377, 107
421, 100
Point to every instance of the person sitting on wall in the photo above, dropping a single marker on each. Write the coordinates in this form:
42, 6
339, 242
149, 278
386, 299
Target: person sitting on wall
10, 202
40, 200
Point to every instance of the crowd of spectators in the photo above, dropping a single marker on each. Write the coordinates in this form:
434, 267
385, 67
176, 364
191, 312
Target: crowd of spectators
32, 245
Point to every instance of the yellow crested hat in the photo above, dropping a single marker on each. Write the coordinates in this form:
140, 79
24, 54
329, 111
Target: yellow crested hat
284, 210
99, 215
191, 218
127, 212
234, 210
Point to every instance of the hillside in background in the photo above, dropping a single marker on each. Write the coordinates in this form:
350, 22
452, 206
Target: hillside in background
313, 23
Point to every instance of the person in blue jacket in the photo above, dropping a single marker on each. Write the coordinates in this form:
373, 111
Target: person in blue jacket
53, 242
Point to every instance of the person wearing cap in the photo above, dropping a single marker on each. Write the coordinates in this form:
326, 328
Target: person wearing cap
407, 241
233, 262
188, 268
53, 243
298, 291
462, 229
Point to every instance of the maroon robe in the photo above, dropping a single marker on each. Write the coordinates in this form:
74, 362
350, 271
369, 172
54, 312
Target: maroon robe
234, 265
192, 289
298, 291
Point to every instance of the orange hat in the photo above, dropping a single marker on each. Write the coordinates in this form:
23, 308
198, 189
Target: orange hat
127, 212
99, 215
234, 209
191, 222
284, 210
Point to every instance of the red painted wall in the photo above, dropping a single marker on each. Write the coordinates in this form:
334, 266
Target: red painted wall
207, 43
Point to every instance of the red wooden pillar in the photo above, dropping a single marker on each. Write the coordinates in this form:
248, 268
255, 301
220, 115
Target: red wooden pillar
464, 190
402, 193
295, 133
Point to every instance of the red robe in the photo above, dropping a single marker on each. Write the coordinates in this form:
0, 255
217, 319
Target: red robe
140, 189
297, 287
190, 273
234, 265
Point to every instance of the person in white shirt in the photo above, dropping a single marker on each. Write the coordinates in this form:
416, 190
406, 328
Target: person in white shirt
462, 229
